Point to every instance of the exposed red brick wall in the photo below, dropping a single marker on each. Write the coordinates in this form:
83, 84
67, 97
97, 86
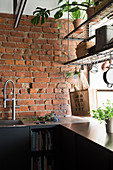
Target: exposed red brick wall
32, 57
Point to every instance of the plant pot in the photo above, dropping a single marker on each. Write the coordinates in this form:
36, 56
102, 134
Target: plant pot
91, 11
109, 125
75, 76
78, 22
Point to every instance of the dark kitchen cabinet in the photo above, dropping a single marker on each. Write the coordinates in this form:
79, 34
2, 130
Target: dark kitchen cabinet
14, 148
92, 156
67, 149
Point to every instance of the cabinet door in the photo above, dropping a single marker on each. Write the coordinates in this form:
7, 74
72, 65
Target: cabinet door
14, 148
67, 152
92, 156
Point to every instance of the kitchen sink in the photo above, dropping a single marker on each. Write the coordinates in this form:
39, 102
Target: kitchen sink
11, 122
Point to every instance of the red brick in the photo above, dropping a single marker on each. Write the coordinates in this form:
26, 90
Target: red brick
29, 102
18, 34
23, 29
34, 35
4, 67
36, 29
23, 91
47, 96
52, 69
35, 74
34, 96
22, 45
23, 96
2, 50
28, 63
57, 80
46, 58
37, 63
36, 69
47, 47
23, 114
40, 41
42, 80
33, 90
50, 30
23, 74
46, 64
36, 107
39, 101
27, 52
23, 108
52, 107
6, 27
39, 85
58, 75
8, 44
5, 33
25, 80
35, 46
27, 40
2, 38
7, 74
19, 62
59, 101
19, 68
42, 52
14, 39
50, 36
49, 90
9, 50
2, 20
34, 57
62, 96
9, 62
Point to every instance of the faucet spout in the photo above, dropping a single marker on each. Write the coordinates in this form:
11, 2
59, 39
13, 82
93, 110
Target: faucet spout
12, 99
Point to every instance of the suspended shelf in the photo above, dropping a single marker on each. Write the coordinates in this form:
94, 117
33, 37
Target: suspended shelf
95, 57
106, 13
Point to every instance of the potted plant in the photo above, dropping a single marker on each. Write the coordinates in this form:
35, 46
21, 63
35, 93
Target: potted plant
75, 10
105, 114
75, 74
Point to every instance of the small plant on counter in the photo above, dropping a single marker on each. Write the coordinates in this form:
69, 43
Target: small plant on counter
105, 112
49, 117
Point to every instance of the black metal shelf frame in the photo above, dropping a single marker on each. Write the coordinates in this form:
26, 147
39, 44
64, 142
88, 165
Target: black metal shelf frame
90, 58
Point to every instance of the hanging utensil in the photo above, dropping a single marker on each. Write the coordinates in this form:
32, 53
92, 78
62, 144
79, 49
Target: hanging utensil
108, 75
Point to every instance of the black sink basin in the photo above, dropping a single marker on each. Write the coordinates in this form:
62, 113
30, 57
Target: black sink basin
11, 122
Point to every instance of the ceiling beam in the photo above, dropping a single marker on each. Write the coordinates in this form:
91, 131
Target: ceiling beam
18, 8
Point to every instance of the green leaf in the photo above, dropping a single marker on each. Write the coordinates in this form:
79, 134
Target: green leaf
59, 26
35, 20
36, 12
74, 3
59, 1
42, 20
74, 9
46, 16
58, 14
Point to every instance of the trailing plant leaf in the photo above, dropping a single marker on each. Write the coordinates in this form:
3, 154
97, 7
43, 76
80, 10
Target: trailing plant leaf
59, 1
59, 26
58, 14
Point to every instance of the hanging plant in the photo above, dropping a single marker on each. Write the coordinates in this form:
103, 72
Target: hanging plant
76, 10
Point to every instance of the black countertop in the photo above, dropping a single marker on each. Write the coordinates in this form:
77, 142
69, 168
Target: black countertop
93, 131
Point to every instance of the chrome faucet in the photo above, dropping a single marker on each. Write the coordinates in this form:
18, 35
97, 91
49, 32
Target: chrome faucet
8, 99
